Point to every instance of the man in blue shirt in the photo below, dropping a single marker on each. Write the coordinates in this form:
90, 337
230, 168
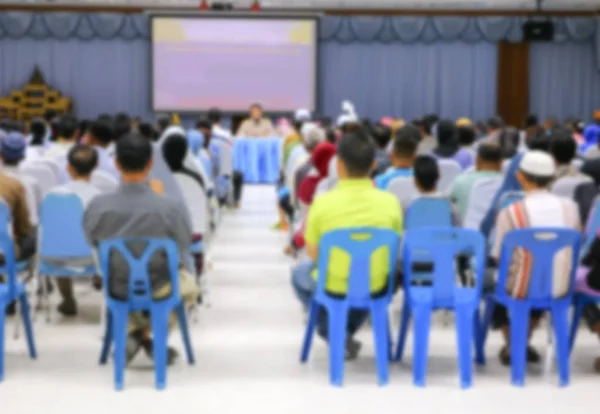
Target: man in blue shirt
404, 150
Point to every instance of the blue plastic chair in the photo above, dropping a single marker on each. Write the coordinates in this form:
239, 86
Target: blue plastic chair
62, 238
5, 222
442, 245
359, 243
139, 299
543, 243
10, 291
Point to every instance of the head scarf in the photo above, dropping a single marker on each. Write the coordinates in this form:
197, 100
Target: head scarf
321, 156
447, 139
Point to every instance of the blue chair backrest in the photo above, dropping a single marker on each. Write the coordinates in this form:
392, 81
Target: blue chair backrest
360, 244
61, 228
5, 217
442, 245
543, 243
8, 251
140, 290
428, 212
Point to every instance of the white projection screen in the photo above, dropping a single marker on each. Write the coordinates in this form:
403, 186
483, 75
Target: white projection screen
232, 61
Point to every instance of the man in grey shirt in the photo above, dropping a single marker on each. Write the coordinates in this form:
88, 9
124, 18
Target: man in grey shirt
139, 209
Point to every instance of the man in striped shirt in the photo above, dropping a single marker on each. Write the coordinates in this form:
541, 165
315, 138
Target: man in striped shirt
539, 208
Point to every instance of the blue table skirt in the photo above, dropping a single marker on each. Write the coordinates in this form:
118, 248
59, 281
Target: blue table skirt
257, 159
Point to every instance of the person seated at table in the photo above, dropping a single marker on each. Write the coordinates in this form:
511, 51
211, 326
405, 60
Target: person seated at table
539, 208
488, 164
354, 202
448, 146
257, 125
404, 150
82, 161
138, 209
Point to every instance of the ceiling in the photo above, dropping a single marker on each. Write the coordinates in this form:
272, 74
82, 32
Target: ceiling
343, 4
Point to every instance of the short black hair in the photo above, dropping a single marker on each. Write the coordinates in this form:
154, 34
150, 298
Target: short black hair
38, 131
357, 152
382, 135
214, 115
133, 153
122, 125
102, 130
540, 142
83, 159
147, 131
428, 122
406, 141
330, 135
203, 123
67, 126
495, 122
84, 125
563, 147
49, 115
426, 172
466, 135
531, 120
489, 152
163, 122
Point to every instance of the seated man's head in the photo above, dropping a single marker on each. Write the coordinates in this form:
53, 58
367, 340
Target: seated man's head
12, 149
494, 124
122, 125
163, 123
562, 146
382, 135
67, 128
312, 135
426, 173
489, 157
134, 157
536, 171
355, 155
37, 128
466, 135
83, 159
101, 132
405, 145
146, 129
174, 150
205, 127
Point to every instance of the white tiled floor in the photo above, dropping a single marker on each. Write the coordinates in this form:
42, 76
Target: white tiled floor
247, 349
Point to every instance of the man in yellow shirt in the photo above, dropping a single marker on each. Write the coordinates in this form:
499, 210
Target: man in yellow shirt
354, 202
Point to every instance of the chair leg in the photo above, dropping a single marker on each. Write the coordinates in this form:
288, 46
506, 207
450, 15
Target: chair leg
422, 324
381, 327
519, 330
404, 323
2, 322
560, 321
119, 333
465, 315
577, 314
26, 317
485, 324
107, 339
185, 333
160, 323
313, 314
337, 326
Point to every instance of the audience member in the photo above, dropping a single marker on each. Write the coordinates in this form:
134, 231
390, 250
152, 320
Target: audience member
563, 149
550, 123
37, 140
82, 129
426, 176
162, 123
174, 151
466, 137
146, 130
100, 136
428, 141
138, 209
403, 154
487, 165
66, 138
82, 160
448, 146
320, 157
257, 125
354, 202
532, 129
294, 138
314, 136
591, 134
382, 135
195, 137
509, 141
122, 125
539, 208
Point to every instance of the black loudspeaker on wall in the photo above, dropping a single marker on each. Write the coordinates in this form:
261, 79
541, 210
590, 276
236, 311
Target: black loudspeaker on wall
538, 31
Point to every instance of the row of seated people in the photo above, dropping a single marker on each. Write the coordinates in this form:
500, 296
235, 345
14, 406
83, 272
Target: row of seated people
358, 201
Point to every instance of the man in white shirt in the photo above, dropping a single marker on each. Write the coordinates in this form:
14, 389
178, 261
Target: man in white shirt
223, 135
66, 139
82, 160
100, 135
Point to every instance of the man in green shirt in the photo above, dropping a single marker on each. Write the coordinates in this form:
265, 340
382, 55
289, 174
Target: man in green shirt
354, 202
487, 165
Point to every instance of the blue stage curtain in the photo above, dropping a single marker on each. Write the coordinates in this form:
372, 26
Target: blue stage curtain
409, 80
564, 79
